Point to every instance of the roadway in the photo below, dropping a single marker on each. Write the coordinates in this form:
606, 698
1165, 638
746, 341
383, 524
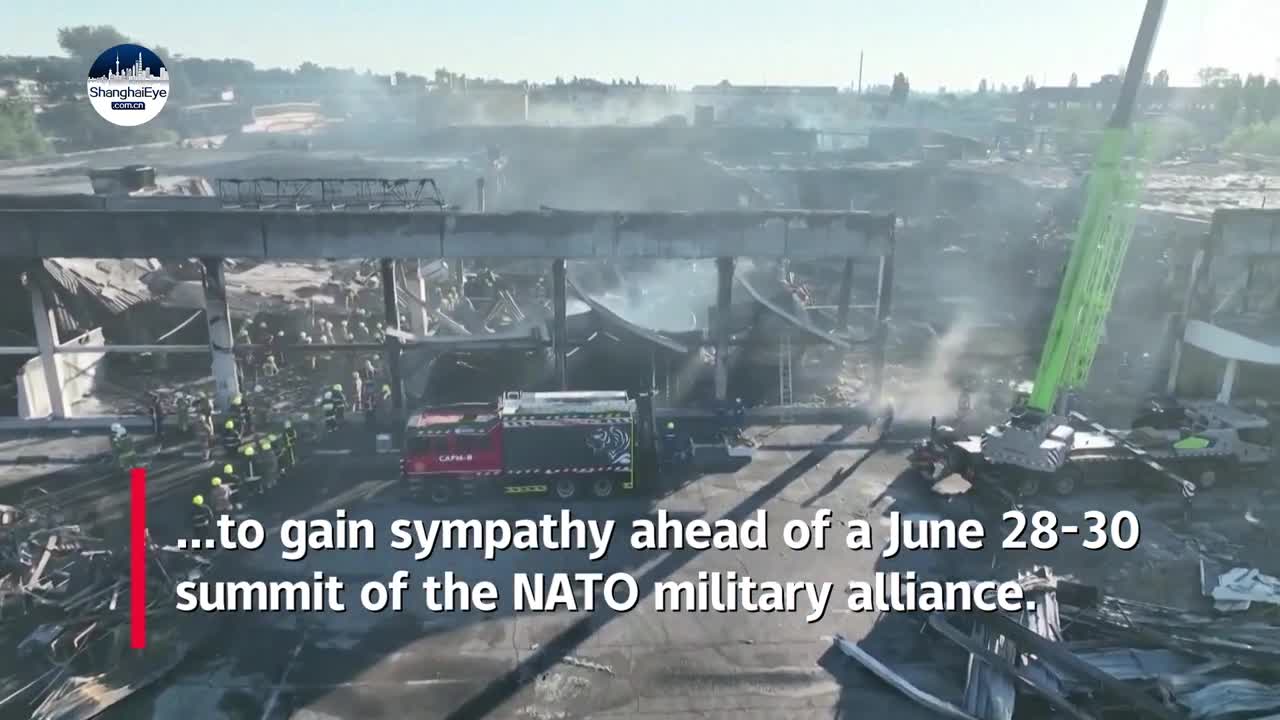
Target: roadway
501, 665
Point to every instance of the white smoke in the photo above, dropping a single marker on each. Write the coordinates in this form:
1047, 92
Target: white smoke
933, 390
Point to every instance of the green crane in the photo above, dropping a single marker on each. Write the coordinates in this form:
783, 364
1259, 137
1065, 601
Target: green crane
1040, 437
1111, 197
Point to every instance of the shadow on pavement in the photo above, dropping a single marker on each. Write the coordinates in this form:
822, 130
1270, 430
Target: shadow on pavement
547, 656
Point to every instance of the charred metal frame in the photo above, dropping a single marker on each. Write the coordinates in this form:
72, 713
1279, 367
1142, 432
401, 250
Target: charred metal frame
1259, 239
425, 227
330, 193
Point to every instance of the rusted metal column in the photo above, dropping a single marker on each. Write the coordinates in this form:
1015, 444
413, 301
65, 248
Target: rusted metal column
226, 380
884, 298
419, 319
724, 297
47, 341
559, 323
846, 296
391, 309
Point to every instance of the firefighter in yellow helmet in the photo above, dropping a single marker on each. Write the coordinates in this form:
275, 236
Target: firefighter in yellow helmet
252, 478
242, 407
268, 466
220, 496
339, 402
201, 518
281, 449
230, 436
290, 443
330, 408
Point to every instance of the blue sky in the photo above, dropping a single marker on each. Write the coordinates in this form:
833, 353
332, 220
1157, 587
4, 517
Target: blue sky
949, 43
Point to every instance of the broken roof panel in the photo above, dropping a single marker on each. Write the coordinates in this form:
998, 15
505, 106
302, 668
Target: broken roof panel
268, 287
117, 285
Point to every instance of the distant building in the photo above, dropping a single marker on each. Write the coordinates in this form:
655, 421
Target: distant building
1041, 105
903, 142
21, 88
772, 105
725, 89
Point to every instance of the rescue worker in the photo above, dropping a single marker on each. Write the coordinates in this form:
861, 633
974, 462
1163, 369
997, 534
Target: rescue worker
240, 406
252, 480
230, 436
204, 407
371, 409
964, 403
357, 392
220, 497
330, 413
229, 473
204, 412
277, 449
311, 357
368, 373
122, 448
384, 401
268, 466
290, 444
201, 518
326, 338
156, 409
670, 443
182, 408
339, 402
269, 367
259, 407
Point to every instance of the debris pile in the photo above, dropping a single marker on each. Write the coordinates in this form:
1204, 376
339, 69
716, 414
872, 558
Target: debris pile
1089, 656
64, 604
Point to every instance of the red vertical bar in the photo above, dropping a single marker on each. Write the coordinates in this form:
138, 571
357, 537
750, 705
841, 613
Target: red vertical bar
138, 558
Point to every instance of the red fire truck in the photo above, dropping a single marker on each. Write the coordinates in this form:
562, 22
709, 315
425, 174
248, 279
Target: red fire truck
567, 444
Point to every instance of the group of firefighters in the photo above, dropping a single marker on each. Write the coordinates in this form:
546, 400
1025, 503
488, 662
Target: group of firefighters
258, 449
255, 458
272, 358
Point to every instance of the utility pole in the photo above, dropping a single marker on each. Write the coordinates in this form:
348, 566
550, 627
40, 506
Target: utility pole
861, 53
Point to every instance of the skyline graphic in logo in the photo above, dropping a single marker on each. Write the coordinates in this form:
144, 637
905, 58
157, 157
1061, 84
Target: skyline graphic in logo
128, 85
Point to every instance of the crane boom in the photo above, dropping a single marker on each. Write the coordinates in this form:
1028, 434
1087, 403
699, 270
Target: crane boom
1102, 240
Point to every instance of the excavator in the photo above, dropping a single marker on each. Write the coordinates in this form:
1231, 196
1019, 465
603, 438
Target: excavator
1045, 442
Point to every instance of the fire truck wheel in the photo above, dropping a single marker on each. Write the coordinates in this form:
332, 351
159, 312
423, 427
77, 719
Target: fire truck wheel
1066, 481
566, 488
602, 487
441, 493
1028, 485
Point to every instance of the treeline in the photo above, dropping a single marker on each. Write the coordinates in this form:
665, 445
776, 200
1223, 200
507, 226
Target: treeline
19, 136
